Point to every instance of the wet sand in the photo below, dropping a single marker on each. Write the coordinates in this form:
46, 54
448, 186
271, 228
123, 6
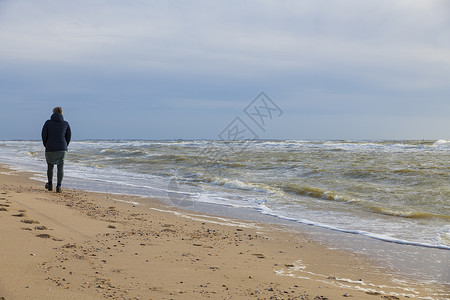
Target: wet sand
83, 245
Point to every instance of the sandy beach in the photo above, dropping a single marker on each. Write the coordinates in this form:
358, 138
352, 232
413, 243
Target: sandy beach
84, 245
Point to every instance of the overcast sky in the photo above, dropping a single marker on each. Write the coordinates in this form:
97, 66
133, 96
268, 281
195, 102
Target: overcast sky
347, 69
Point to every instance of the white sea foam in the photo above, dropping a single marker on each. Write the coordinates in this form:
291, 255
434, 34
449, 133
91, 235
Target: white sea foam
440, 143
383, 237
240, 185
301, 271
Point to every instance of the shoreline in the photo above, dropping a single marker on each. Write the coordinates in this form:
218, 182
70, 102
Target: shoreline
408, 223
417, 262
97, 245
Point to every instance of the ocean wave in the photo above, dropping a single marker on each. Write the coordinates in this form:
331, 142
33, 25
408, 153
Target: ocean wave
318, 193
440, 143
122, 152
34, 153
403, 183
97, 165
170, 157
408, 214
236, 184
322, 194
409, 171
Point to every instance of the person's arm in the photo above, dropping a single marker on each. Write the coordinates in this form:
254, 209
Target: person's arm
44, 134
68, 134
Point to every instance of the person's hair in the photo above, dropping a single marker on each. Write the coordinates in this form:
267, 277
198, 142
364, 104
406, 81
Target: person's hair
58, 110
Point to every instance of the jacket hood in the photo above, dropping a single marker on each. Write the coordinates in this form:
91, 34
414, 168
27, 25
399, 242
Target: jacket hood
57, 117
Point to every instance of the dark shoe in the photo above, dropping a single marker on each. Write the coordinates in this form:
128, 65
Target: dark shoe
49, 186
58, 189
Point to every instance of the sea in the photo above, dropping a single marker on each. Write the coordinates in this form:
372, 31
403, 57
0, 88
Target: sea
391, 190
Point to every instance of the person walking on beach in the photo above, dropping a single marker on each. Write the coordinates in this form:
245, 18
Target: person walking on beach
56, 135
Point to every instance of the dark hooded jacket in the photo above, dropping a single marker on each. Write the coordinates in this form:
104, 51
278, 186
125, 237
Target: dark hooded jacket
56, 133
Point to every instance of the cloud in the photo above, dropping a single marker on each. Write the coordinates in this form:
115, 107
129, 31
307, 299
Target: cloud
198, 27
209, 37
313, 55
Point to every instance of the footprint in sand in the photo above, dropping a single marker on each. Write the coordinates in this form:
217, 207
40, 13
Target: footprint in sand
40, 228
44, 236
259, 255
21, 214
30, 221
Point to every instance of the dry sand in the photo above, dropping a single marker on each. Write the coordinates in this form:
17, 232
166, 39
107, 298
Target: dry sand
83, 245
